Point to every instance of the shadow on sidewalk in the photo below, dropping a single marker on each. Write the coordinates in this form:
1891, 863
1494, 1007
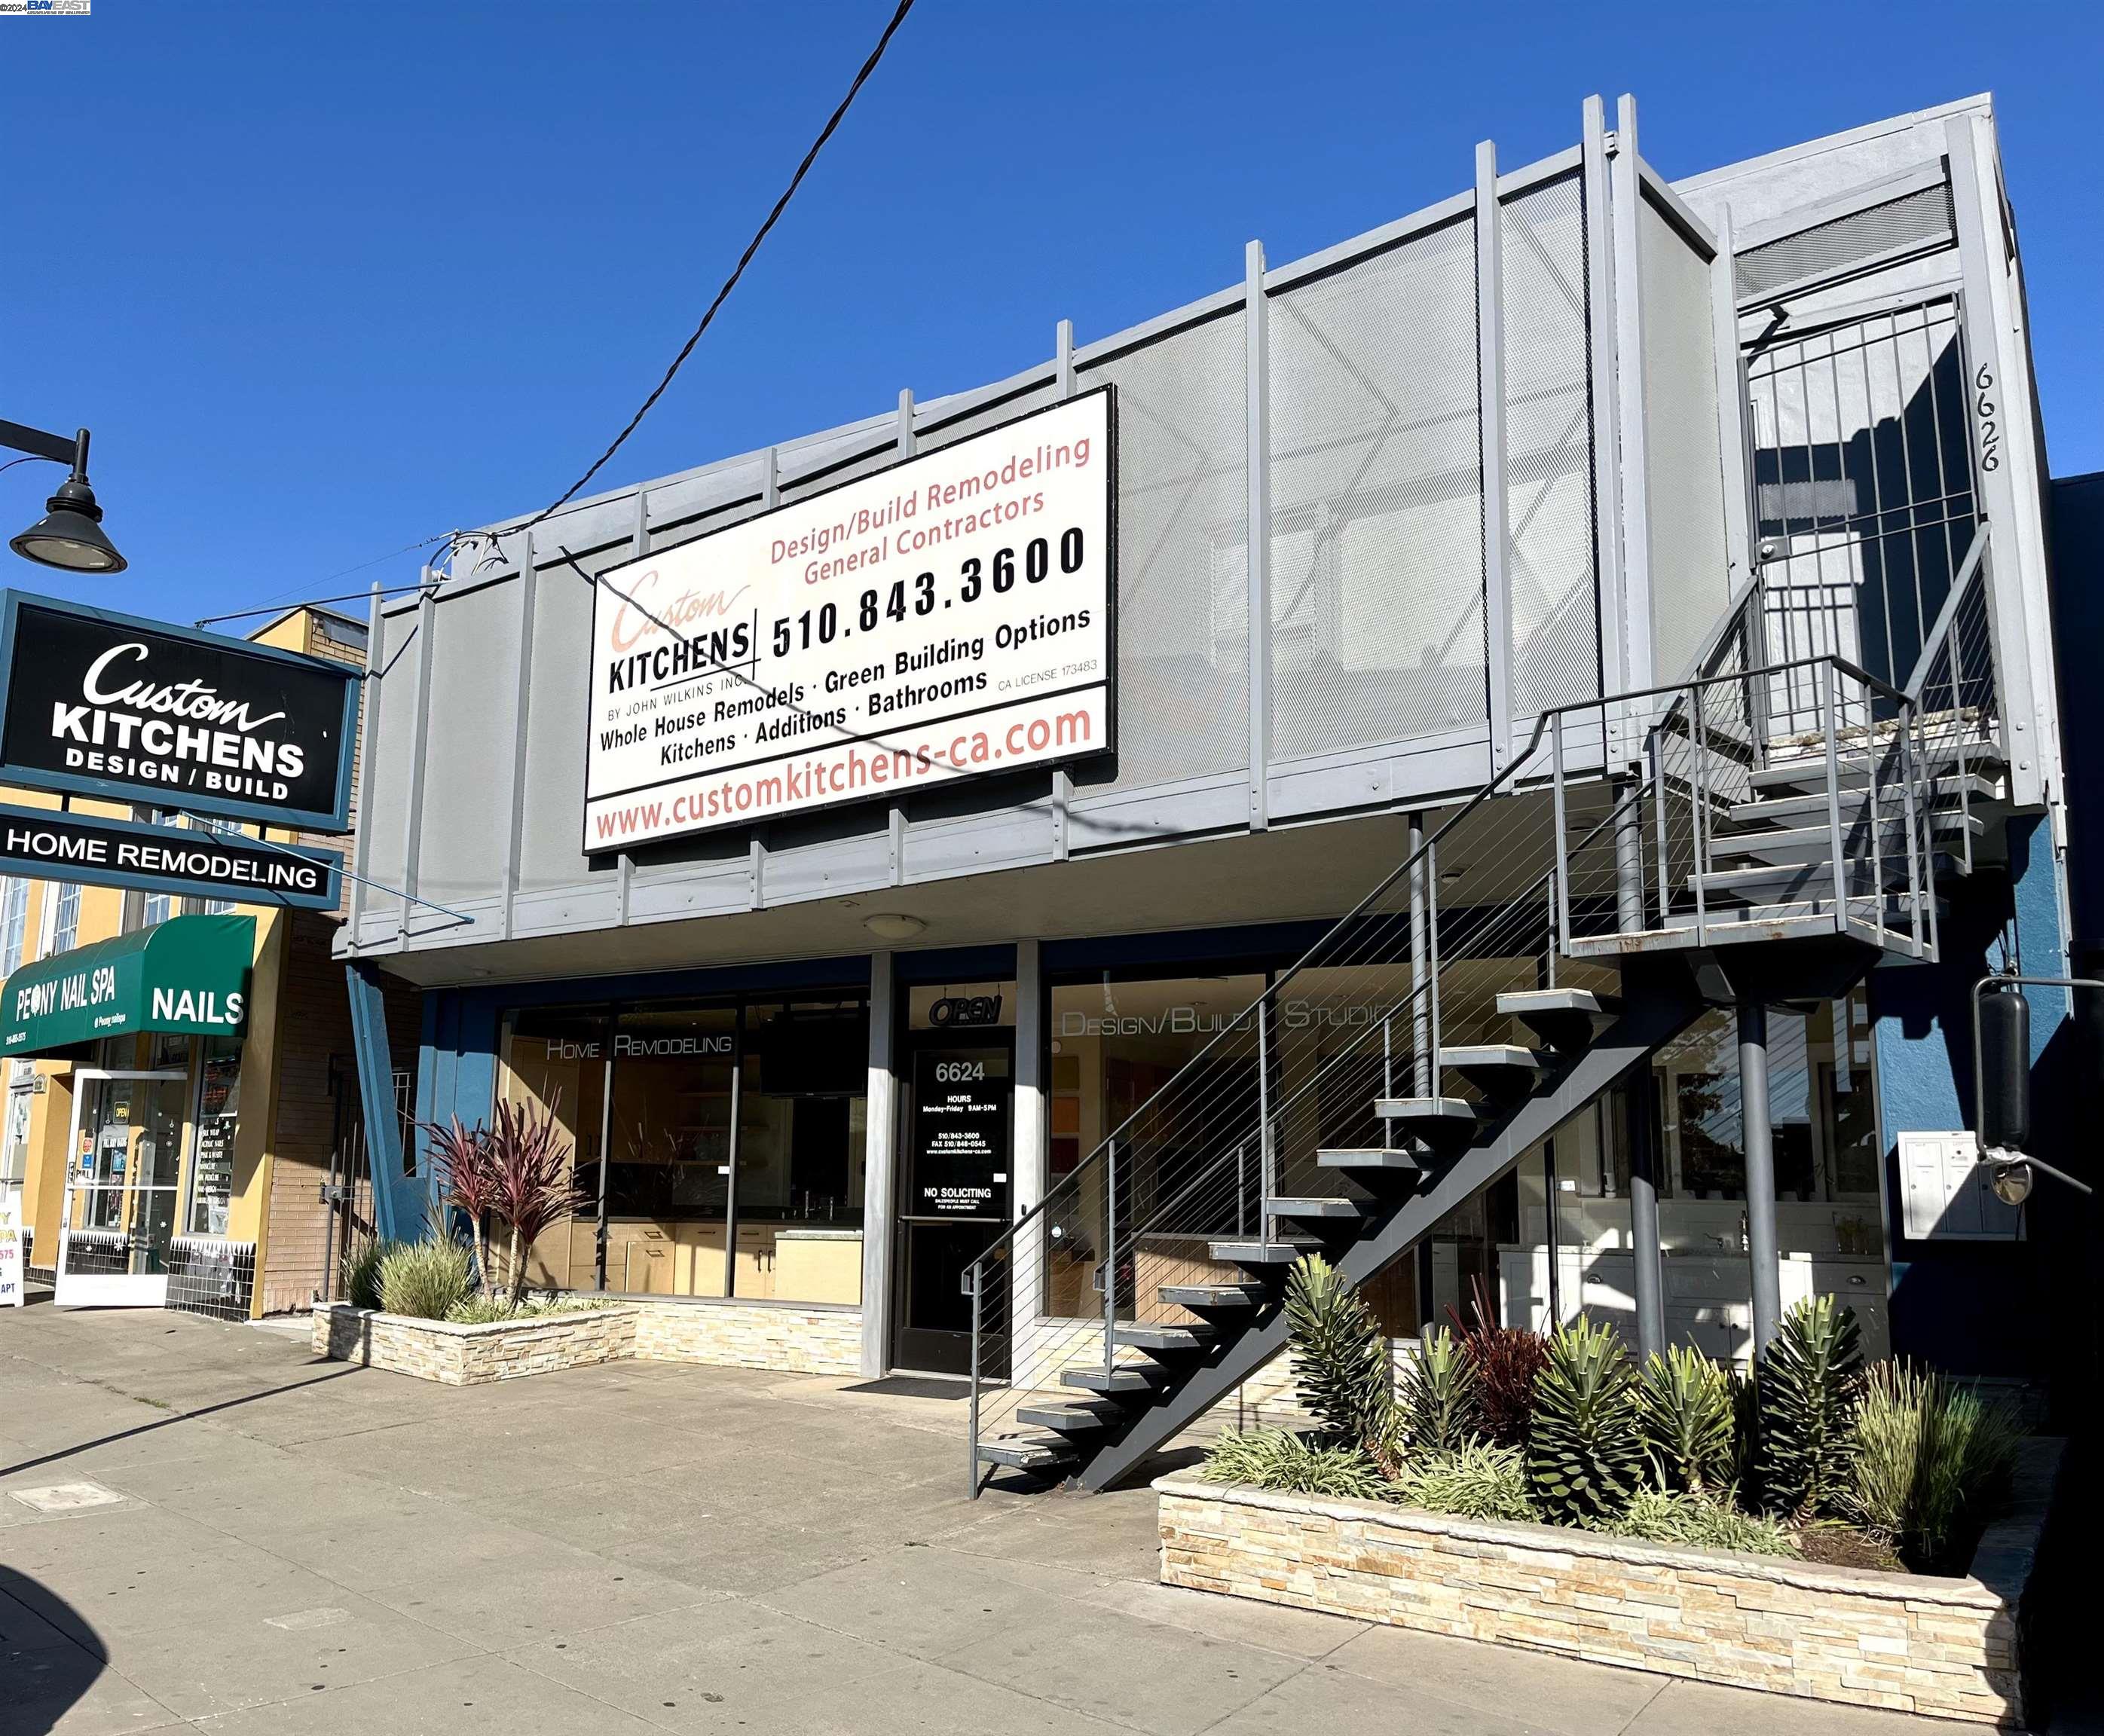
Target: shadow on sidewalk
50, 1655
186, 1415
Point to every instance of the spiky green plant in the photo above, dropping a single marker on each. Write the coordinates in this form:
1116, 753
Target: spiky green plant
1276, 1458
1438, 1400
1585, 1456
1341, 1359
1701, 1520
1745, 1435
1808, 1380
1932, 1462
1684, 1408
361, 1273
1475, 1481
425, 1280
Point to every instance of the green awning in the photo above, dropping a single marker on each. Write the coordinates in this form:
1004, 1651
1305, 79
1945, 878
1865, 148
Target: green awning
190, 973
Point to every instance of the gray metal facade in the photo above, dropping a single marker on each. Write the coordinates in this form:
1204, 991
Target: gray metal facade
1378, 508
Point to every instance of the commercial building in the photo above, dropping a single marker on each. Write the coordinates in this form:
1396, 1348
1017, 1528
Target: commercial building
1568, 711
182, 1105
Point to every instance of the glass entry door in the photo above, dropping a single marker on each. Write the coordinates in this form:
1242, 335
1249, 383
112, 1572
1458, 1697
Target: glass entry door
124, 1161
954, 1194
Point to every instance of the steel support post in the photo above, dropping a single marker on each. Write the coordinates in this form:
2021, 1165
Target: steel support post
879, 1161
1490, 428
1643, 1216
731, 1156
1256, 328
1420, 989
1763, 1254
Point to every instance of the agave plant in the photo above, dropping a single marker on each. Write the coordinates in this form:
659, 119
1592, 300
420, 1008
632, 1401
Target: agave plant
531, 1183
1808, 1381
1341, 1359
1684, 1409
1506, 1359
1438, 1401
1585, 1456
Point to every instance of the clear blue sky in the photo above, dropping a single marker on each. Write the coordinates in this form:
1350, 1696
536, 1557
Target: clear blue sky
325, 278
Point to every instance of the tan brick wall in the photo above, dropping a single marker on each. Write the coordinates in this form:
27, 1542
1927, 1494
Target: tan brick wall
752, 1335
1945, 1647
313, 1025
779, 1336
472, 1356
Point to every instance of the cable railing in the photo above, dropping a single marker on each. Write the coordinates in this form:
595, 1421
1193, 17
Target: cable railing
1610, 830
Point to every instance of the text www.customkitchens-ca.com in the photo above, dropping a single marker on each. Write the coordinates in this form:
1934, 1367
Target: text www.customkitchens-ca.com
847, 771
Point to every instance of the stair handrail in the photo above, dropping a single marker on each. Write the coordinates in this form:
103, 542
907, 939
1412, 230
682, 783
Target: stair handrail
1509, 774
1946, 618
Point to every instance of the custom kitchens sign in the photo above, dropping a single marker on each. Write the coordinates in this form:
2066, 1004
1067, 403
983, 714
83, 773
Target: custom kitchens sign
143, 711
946, 618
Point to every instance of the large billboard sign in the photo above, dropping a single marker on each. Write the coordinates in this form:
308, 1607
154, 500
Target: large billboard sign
132, 710
946, 618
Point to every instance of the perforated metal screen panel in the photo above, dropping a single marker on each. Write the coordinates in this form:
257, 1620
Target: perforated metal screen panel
1182, 626
1548, 449
1683, 447
1915, 219
465, 810
1376, 485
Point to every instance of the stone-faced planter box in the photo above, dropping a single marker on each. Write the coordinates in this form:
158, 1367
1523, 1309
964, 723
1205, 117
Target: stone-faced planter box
1945, 1647
468, 1356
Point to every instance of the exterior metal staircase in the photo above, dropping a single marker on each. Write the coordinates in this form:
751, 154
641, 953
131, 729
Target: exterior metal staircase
1576, 913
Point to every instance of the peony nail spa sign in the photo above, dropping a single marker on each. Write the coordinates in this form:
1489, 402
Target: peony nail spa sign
143, 711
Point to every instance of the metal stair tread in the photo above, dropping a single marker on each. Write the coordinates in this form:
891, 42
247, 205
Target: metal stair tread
1279, 1250
1518, 1003
1142, 1378
1455, 1110
1210, 1295
1795, 774
1081, 1418
1380, 1158
1308, 1209
1149, 1337
1045, 1453
1468, 1057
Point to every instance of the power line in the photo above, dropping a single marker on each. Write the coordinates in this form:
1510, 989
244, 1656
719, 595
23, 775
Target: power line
679, 361
730, 282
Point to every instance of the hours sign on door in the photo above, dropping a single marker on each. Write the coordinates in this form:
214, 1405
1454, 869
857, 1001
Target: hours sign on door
948, 618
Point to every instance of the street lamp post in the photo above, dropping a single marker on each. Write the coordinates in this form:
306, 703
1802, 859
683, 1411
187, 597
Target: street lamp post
69, 534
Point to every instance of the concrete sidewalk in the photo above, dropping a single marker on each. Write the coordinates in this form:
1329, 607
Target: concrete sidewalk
246, 1540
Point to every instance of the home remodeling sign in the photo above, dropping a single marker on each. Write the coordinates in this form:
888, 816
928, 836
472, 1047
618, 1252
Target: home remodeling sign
948, 618
43, 843
142, 711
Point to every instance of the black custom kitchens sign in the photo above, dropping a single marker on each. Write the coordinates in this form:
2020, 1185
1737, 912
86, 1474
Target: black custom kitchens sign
961, 1107
144, 711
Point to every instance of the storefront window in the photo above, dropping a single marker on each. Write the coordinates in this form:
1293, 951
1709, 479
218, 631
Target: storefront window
1572, 1249
803, 1132
791, 1075
555, 1058
1116, 1042
218, 1118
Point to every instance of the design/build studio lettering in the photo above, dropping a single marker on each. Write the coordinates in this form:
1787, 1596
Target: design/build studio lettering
947, 617
107, 704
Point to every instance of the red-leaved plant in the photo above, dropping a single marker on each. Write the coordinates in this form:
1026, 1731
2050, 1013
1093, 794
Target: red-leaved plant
532, 1186
460, 1156
1506, 1360
517, 1169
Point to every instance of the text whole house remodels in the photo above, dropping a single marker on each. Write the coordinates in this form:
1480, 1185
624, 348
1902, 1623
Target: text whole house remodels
946, 617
